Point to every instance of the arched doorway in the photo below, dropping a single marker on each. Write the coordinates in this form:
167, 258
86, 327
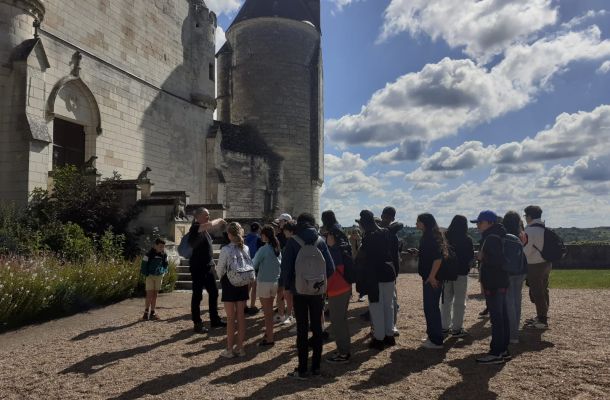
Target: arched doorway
74, 120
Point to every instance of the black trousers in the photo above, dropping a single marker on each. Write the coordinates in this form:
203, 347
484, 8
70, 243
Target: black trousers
203, 280
308, 309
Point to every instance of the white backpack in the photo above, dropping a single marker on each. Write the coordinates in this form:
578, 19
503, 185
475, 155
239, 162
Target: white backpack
240, 270
309, 269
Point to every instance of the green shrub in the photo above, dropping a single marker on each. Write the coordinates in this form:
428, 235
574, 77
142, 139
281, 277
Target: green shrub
46, 287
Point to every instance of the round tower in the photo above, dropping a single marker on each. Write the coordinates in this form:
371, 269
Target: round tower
275, 86
16, 24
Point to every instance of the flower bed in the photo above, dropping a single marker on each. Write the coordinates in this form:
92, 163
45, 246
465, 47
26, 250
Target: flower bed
45, 287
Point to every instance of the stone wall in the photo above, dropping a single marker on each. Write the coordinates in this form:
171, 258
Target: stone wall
246, 178
146, 66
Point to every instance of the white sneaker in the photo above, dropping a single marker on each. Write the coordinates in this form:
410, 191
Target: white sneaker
277, 318
287, 321
428, 344
227, 354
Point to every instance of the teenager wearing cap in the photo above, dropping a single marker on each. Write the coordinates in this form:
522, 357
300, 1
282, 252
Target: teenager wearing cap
379, 278
495, 284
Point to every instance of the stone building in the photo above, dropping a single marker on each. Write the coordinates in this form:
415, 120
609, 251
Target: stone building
128, 86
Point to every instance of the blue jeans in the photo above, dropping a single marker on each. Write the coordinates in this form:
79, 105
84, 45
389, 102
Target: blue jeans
432, 312
498, 315
513, 304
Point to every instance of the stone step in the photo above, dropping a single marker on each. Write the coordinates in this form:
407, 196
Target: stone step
184, 269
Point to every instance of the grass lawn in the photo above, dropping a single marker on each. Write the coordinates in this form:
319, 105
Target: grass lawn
580, 279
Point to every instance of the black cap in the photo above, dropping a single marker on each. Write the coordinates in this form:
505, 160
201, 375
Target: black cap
366, 217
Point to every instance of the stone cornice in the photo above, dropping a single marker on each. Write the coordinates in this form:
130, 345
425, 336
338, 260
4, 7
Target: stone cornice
33, 7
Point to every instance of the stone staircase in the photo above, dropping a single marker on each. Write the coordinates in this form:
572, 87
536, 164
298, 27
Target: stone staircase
184, 276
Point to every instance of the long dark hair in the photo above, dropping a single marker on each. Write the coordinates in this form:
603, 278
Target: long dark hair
328, 219
269, 233
458, 228
512, 223
431, 230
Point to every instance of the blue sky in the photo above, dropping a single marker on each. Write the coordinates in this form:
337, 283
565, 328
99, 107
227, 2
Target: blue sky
451, 107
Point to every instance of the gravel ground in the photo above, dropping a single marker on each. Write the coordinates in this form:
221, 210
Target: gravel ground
108, 354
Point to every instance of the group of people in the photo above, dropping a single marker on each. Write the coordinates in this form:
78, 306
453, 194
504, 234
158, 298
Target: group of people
306, 268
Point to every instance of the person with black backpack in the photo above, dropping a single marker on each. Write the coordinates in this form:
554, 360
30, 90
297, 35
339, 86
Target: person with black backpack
494, 280
431, 252
306, 266
339, 286
538, 266
454, 292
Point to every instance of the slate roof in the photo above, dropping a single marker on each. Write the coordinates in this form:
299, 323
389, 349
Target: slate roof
243, 139
290, 9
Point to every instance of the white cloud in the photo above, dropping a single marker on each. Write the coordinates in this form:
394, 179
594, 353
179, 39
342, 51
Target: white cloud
220, 37
394, 174
574, 22
419, 175
444, 97
604, 68
483, 27
341, 4
572, 135
223, 6
466, 156
428, 186
351, 183
334, 165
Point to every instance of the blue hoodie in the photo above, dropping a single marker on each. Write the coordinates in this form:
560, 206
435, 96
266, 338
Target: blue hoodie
309, 235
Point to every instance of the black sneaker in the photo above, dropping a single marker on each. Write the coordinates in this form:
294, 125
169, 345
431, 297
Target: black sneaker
389, 341
251, 310
153, 316
199, 328
460, 333
491, 359
338, 359
376, 344
145, 316
302, 376
445, 333
218, 324
506, 356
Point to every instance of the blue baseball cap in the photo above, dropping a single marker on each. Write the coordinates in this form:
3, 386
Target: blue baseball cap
486, 215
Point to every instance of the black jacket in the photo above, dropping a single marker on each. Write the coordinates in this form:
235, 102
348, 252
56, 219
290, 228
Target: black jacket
202, 258
464, 250
493, 275
378, 260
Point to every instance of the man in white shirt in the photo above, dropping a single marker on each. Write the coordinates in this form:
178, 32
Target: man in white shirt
538, 269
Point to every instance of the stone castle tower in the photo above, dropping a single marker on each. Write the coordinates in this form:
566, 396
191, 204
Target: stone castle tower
270, 82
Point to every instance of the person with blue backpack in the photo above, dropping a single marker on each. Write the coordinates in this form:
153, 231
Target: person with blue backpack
494, 280
516, 267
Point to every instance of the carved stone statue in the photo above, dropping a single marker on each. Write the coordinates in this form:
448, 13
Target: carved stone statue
89, 165
179, 211
143, 176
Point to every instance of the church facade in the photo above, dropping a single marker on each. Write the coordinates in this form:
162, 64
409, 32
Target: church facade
132, 87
